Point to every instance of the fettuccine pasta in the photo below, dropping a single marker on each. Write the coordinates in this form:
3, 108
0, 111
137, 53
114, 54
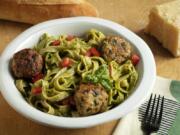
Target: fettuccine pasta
70, 61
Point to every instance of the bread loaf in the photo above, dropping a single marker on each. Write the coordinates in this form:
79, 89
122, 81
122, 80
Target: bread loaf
35, 11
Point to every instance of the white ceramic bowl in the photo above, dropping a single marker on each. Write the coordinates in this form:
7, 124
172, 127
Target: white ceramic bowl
77, 26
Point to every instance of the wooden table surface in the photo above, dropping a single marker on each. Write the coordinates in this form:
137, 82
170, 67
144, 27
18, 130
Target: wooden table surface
131, 13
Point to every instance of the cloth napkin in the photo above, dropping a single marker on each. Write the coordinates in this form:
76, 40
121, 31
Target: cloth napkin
130, 124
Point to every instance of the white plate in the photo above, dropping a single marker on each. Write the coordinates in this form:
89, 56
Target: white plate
77, 26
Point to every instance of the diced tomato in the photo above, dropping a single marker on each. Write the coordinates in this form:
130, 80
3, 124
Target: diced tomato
64, 101
68, 101
55, 43
135, 59
37, 77
36, 90
92, 52
70, 37
71, 101
88, 53
66, 62
95, 52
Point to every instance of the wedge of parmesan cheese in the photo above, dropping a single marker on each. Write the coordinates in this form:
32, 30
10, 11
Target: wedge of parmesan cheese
164, 24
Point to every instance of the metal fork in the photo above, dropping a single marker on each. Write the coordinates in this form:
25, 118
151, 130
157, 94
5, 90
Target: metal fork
152, 117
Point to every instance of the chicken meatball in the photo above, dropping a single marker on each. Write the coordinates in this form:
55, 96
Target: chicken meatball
26, 63
115, 48
90, 99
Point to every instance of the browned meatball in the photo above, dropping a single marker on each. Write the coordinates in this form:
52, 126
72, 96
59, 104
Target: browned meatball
116, 48
26, 63
90, 99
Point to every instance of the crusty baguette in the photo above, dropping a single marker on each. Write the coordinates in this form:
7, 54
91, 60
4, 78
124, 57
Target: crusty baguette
47, 2
37, 11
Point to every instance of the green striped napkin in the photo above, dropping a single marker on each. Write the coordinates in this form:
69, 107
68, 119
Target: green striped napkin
175, 91
170, 89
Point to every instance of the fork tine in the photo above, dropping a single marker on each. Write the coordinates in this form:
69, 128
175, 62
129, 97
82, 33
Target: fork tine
152, 117
161, 111
152, 109
147, 109
156, 109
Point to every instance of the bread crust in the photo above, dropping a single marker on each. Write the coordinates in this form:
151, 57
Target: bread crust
35, 13
45, 2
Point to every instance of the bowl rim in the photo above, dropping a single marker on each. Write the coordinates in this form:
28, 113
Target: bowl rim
143, 90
